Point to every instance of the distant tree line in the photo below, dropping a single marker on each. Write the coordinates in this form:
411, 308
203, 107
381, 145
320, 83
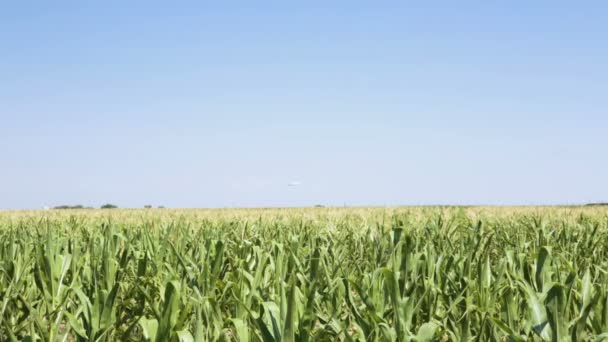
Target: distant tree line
80, 206
105, 206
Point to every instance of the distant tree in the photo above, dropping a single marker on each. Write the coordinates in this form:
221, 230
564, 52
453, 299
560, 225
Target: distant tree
147, 206
319, 206
161, 207
78, 206
109, 206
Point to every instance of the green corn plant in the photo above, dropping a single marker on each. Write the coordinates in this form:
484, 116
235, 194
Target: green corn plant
305, 274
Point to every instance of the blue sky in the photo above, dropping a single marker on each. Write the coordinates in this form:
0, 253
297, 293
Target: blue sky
194, 104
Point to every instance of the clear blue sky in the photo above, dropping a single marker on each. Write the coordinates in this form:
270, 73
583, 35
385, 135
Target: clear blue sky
192, 104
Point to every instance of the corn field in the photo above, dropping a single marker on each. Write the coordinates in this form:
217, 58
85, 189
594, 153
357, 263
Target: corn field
318, 274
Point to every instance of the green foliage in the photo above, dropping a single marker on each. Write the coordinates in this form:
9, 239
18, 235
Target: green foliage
109, 206
78, 206
410, 275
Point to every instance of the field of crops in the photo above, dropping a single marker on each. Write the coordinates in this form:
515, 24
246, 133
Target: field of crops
317, 274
